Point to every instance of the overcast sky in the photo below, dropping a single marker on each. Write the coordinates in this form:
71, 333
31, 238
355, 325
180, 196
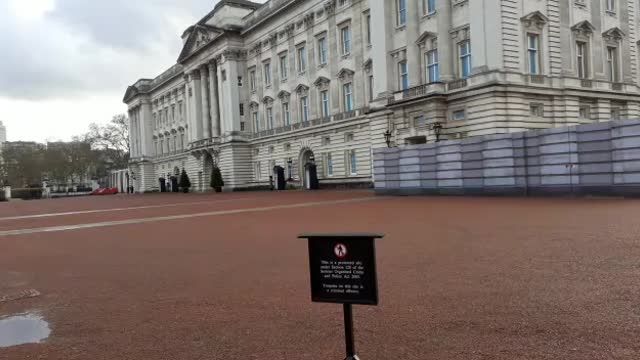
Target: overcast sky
66, 63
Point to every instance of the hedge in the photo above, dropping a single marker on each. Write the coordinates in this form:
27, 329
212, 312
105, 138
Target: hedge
27, 194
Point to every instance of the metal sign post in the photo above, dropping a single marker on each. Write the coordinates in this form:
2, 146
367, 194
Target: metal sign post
343, 270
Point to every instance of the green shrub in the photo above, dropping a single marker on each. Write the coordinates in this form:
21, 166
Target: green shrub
216, 179
185, 183
27, 194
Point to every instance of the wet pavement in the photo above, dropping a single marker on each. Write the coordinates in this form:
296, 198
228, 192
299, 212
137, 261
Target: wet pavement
23, 329
206, 278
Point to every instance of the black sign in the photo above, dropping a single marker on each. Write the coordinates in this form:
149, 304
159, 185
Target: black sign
343, 268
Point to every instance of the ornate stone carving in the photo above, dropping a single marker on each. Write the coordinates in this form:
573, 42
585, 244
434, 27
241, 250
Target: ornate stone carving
309, 19
535, 20
345, 74
322, 82
302, 90
613, 35
289, 29
330, 7
368, 65
273, 39
268, 100
583, 29
284, 95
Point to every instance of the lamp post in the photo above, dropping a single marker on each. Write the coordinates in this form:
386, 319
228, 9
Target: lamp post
437, 130
387, 138
290, 163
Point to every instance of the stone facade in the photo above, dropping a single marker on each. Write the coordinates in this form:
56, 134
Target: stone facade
294, 81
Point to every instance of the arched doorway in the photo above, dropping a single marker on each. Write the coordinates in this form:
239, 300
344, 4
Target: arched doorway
307, 169
175, 180
206, 170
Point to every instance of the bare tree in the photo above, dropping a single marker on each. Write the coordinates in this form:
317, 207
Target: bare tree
112, 138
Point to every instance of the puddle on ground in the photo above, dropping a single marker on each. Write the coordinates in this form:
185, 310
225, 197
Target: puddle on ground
23, 329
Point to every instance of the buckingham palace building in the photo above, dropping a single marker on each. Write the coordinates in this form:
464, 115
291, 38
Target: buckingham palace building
293, 82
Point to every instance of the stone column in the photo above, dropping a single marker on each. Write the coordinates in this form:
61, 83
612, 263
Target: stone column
196, 101
206, 121
187, 106
215, 101
414, 13
445, 53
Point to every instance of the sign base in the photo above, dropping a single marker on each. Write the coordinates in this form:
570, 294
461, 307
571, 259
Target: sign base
353, 358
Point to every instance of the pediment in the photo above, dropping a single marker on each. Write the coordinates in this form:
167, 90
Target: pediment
302, 88
321, 81
198, 37
613, 34
535, 18
283, 94
345, 73
425, 36
584, 27
267, 100
131, 92
367, 64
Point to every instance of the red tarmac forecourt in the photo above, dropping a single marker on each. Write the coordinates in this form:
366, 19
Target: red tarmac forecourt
223, 276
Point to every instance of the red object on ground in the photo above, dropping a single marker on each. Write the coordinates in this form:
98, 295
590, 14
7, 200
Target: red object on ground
105, 191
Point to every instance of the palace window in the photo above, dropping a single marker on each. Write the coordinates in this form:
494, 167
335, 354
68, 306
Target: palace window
347, 91
610, 5
464, 49
585, 112
612, 64
348, 137
533, 41
459, 115
284, 67
433, 69
370, 83
324, 102
616, 113
352, 161
256, 122
328, 165
269, 118
286, 115
267, 73
304, 109
368, 29
429, 7
403, 75
302, 59
345, 40
536, 110
401, 12
252, 80
581, 60
322, 50
257, 170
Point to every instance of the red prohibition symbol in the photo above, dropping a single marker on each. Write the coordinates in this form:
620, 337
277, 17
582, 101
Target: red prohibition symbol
341, 251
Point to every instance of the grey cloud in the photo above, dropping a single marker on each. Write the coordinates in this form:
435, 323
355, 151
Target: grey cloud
125, 23
91, 47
